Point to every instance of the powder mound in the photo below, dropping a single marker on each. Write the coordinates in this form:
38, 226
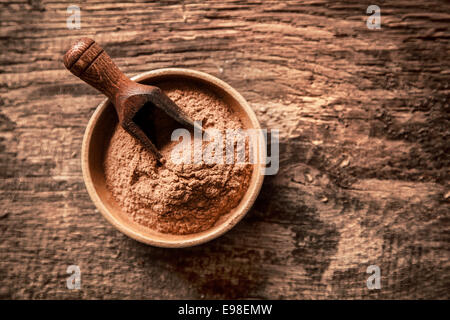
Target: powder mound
176, 198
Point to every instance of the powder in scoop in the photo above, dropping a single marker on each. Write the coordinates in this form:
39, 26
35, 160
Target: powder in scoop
176, 198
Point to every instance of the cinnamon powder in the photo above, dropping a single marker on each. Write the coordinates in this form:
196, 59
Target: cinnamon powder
176, 198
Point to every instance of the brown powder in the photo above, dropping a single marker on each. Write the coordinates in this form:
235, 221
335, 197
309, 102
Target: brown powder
176, 198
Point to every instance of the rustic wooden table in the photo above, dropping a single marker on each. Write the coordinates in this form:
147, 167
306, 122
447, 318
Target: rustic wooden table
364, 149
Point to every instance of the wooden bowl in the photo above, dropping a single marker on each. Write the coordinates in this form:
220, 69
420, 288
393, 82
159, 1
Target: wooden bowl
97, 136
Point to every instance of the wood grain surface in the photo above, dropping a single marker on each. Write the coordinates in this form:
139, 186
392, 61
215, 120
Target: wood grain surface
364, 149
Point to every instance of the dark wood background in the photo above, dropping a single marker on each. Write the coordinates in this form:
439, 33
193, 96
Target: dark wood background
364, 149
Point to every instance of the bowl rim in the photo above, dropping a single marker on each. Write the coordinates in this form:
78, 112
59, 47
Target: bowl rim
205, 236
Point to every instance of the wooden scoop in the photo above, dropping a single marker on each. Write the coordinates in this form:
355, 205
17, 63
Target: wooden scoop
89, 62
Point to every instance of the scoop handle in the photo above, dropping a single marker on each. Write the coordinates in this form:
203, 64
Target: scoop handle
89, 62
